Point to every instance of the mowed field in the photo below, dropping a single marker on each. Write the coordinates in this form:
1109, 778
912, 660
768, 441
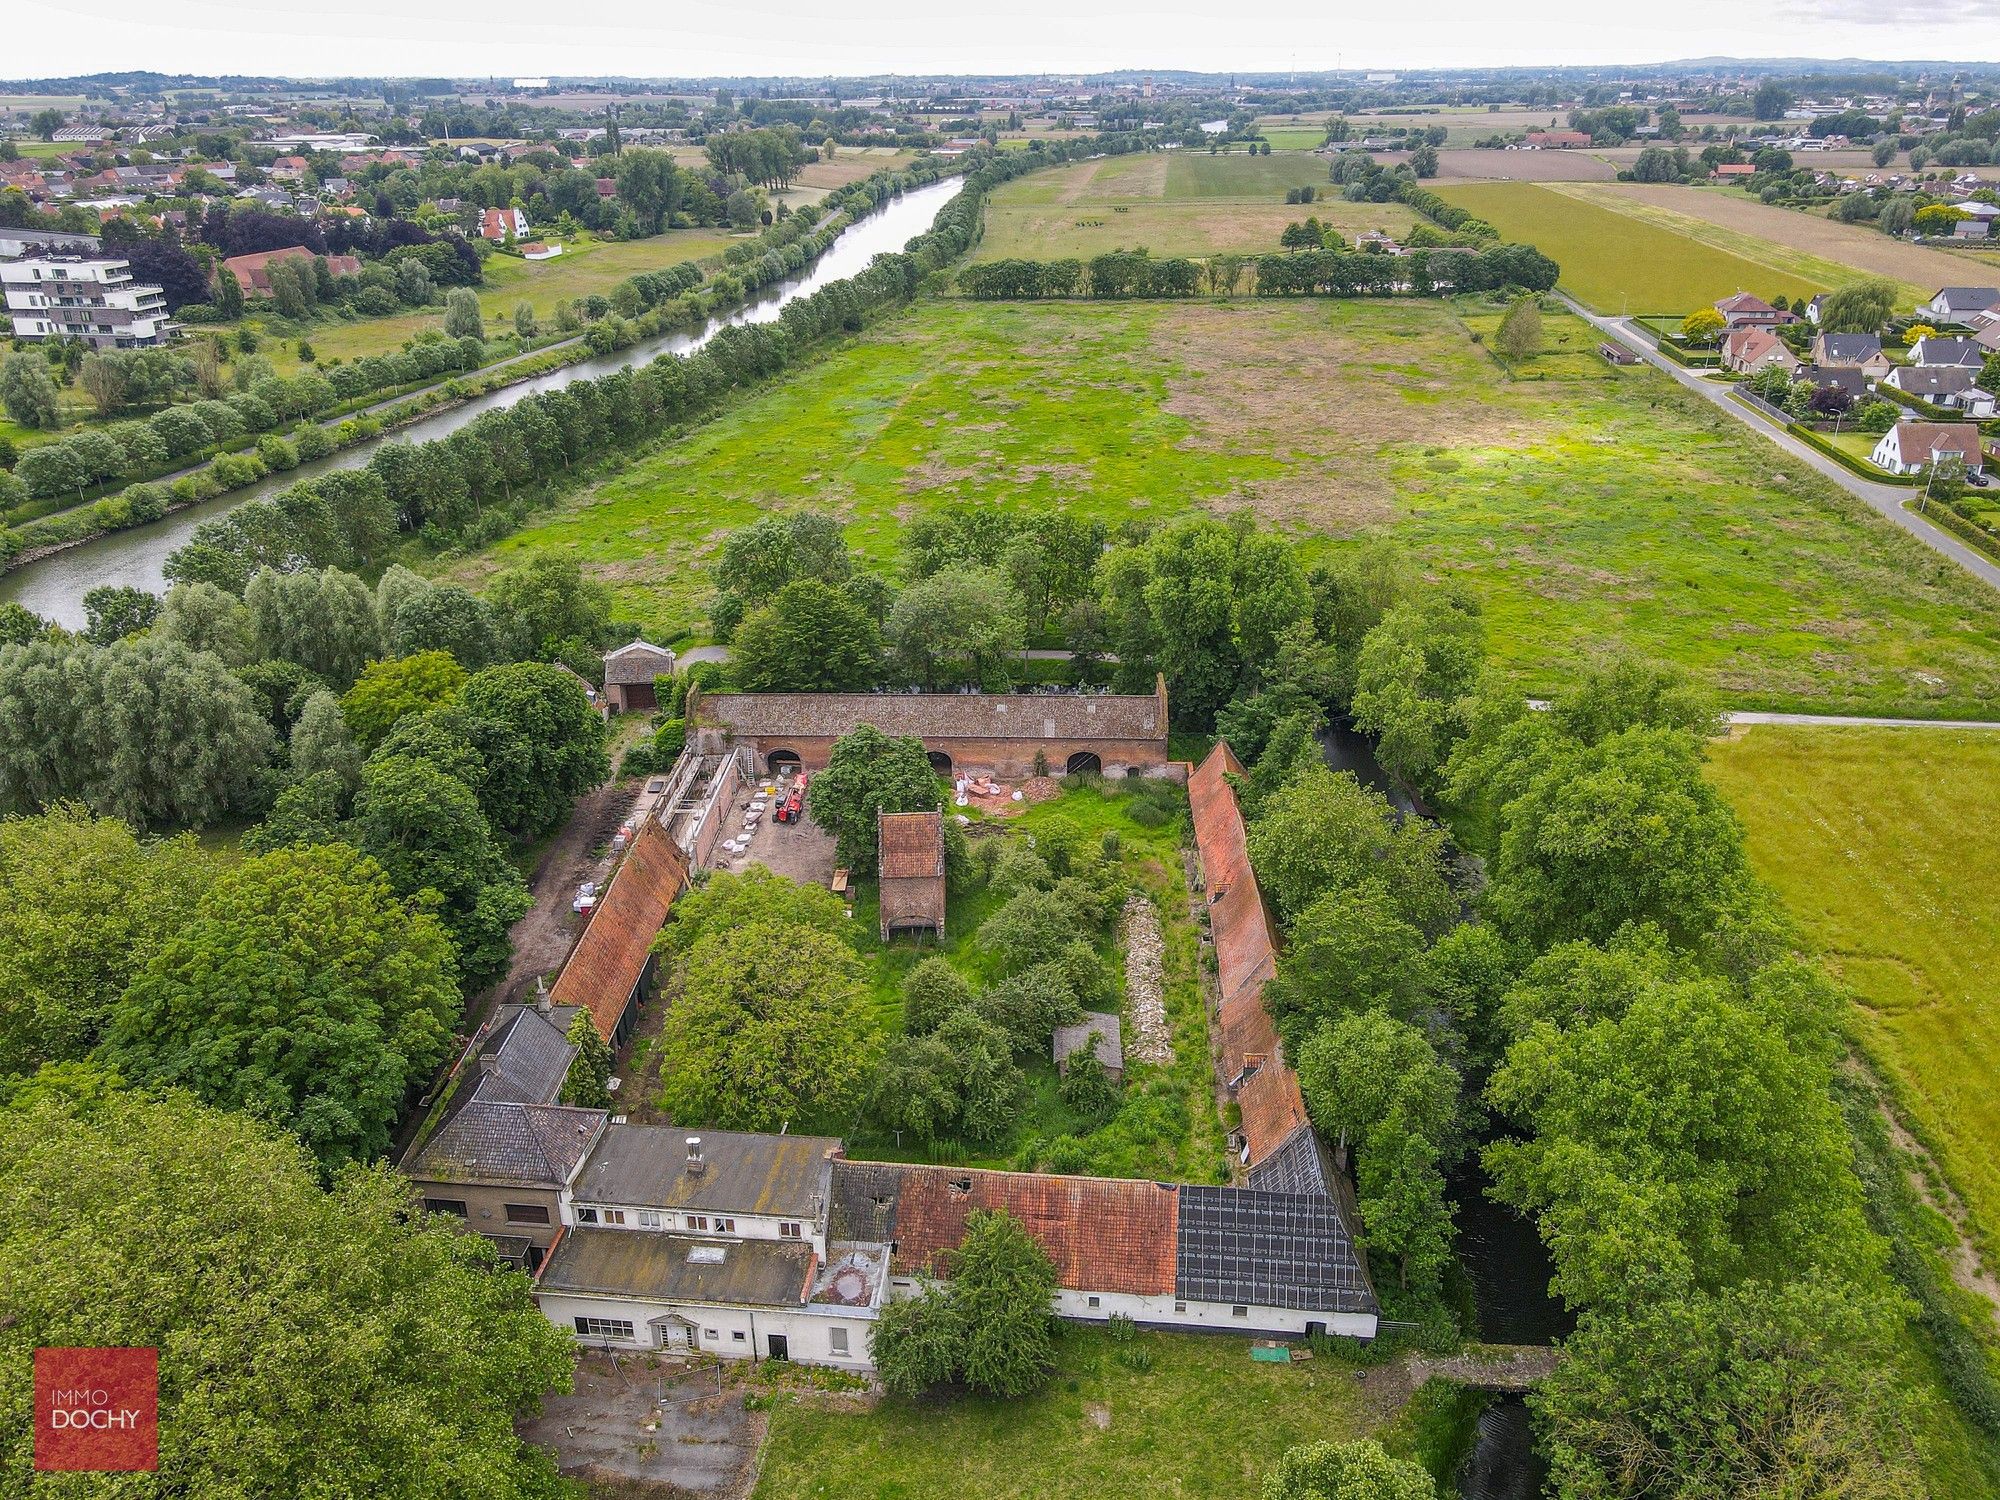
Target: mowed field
1586, 507
1618, 263
1187, 203
1877, 841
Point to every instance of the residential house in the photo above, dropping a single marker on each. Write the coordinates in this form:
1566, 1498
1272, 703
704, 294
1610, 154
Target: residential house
1732, 172
629, 673
1558, 140
1098, 1032
1987, 338
1971, 229
612, 972
1978, 404
1749, 350
1845, 378
1912, 447
1959, 304
498, 224
1815, 307
1851, 351
253, 271
498, 1151
536, 250
288, 169
1931, 382
1936, 350
910, 856
1746, 311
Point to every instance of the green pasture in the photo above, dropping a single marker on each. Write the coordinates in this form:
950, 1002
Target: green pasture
1585, 507
1617, 263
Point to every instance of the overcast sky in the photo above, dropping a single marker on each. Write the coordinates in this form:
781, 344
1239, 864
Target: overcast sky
466, 38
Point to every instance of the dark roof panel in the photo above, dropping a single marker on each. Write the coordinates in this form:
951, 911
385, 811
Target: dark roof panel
784, 1176
680, 1268
538, 1144
1263, 1249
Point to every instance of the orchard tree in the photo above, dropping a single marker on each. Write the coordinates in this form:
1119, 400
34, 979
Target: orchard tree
301, 988
311, 1339
868, 773
811, 638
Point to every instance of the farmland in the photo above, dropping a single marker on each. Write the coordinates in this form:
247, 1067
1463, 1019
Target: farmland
1187, 204
1618, 263
1863, 833
1585, 507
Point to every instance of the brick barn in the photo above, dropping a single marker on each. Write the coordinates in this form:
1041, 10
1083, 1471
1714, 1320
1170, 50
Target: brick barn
1009, 735
910, 849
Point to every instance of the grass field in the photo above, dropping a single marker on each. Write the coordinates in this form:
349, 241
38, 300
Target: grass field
1875, 840
1179, 204
1201, 1421
1294, 137
1585, 507
1816, 247
1617, 263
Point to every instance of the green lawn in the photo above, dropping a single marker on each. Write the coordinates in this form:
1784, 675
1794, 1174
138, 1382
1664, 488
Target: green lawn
1875, 840
1584, 506
1203, 1422
1618, 263
1182, 203
1294, 137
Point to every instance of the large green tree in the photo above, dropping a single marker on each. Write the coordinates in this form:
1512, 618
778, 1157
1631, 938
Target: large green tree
1346, 1471
1323, 831
770, 1029
990, 1327
869, 772
542, 743
546, 601
811, 638
311, 1342
1413, 669
302, 988
323, 621
386, 690
84, 904
959, 627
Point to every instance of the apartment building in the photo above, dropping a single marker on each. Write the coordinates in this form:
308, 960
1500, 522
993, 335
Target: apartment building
89, 298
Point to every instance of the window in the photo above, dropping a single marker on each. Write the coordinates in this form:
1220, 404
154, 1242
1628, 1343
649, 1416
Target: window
1096, 1302
586, 1216
1239, 1311
604, 1328
710, 1334
698, 1222
737, 1334
446, 1206
527, 1213
649, 1218
614, 1216
725, 1226
788, 1231
837, 1340
1180, 1307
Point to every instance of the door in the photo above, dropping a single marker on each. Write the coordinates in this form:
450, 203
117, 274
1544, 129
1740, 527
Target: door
675, 1337
781, 1347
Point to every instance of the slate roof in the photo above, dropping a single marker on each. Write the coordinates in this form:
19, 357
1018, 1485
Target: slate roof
1104, 1234
1743, 302
1844, 377
1967, 299
532, 1057
1932, 380
941, 716
610, 957
638, 662
537, 1144
1297, 1166
1240, 1245
680, 1268
1948, 352
1070, 1040
784, 1176
911, 845
1848, 348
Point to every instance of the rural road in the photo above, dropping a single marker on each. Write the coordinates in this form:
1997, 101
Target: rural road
1837, 721
1885, 499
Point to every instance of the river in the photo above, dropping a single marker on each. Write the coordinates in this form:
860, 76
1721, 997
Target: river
54, 587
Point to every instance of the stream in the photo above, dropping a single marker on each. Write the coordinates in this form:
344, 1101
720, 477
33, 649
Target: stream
54, 586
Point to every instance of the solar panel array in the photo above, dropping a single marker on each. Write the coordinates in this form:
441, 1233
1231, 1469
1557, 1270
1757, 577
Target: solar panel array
1295, 1167
1238, 1245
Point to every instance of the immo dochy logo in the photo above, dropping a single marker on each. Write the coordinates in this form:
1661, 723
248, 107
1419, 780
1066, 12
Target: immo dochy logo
97, 1409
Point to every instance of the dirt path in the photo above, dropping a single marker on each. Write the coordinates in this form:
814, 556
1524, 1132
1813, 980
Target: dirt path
1932, 1188
543, 937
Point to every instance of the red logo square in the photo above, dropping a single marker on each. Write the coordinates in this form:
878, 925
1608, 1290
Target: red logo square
97, 1410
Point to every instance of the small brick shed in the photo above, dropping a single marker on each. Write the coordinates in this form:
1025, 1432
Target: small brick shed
910, 847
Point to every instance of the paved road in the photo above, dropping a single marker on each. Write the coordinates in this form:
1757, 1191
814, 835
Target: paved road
1849, 721
1885, 499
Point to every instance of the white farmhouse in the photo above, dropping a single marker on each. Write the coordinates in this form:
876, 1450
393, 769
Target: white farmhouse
1912, 447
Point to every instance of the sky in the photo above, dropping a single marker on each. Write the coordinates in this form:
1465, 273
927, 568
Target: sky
656, 38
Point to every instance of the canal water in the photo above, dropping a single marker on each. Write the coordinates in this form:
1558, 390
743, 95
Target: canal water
1502, 1254
54, 587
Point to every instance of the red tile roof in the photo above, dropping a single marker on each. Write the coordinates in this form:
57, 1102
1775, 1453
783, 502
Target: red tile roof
912, 845
1103, 1234
611, 955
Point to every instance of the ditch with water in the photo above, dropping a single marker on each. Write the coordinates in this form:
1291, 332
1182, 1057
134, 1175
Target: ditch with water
54, 586
1503, 1256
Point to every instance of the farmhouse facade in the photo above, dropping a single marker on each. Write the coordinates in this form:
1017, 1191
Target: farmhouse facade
1009, 735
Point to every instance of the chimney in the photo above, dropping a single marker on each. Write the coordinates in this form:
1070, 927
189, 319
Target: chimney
696, 1166
542, 993
489, 1064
